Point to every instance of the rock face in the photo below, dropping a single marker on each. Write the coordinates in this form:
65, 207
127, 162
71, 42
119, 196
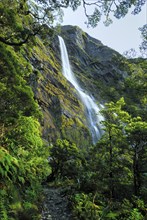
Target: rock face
63, 114
97, 70
96, 65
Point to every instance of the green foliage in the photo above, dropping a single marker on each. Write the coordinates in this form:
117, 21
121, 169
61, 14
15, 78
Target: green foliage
108, 174
88, 206
24, 141
136, 82
115, 169
85, 208
8, 164
65, 159
3, 205
16, 96
130, 209
135, 215
23, 156
22, 20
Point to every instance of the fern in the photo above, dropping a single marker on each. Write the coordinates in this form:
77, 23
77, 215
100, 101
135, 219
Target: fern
3, 210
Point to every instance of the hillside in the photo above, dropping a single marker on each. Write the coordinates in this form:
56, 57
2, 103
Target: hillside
97, 69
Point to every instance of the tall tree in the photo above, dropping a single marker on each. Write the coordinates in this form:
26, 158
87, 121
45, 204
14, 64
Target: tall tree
118, 159
137, 139
121, 153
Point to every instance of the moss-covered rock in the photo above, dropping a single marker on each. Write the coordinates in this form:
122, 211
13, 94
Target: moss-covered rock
100, 71
63, 113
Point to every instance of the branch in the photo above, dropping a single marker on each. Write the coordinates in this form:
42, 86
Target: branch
20, 43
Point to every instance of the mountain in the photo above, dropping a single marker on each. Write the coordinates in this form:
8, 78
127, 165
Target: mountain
97, 69
100, 72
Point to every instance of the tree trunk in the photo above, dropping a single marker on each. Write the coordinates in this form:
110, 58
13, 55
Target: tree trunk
136, 173
111, 185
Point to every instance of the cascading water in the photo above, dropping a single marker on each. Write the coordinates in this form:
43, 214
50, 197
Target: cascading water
92, 110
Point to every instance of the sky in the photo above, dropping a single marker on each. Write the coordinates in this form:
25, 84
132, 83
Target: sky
122, 35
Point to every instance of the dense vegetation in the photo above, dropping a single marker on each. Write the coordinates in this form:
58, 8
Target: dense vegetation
23, 156
108, 180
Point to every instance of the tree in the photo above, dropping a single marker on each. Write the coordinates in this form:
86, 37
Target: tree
108, 8
131, 53
136, 87
65, 159
137, 138
21, 20
117, 156
143, 46
114, 178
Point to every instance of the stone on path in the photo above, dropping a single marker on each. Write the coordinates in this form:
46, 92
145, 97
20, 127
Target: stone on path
55, 205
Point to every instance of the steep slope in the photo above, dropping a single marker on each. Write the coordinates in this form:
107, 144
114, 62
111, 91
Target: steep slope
96, 66
97, 69
63, 114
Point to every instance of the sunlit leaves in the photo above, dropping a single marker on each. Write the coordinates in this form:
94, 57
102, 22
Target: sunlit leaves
136, 85
137, 130
125, 142
23, 157
8, 165
65, 158
114, 112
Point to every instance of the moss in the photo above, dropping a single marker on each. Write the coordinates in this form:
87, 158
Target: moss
66, 122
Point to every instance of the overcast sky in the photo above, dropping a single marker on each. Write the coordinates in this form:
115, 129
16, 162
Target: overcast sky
122, 35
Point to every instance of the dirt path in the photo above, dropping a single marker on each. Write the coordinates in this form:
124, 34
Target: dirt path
55, 205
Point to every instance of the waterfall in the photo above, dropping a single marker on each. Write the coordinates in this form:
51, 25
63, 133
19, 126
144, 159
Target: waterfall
91, 109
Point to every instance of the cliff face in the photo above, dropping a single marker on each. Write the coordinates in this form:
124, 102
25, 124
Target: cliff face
96, 66
63, 114
97, 70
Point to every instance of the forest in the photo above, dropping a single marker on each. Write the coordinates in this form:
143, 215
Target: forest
44, 140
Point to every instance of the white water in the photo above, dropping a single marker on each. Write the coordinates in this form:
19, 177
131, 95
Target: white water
92, 110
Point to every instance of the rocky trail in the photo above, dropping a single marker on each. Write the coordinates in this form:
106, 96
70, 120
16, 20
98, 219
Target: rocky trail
56, 205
